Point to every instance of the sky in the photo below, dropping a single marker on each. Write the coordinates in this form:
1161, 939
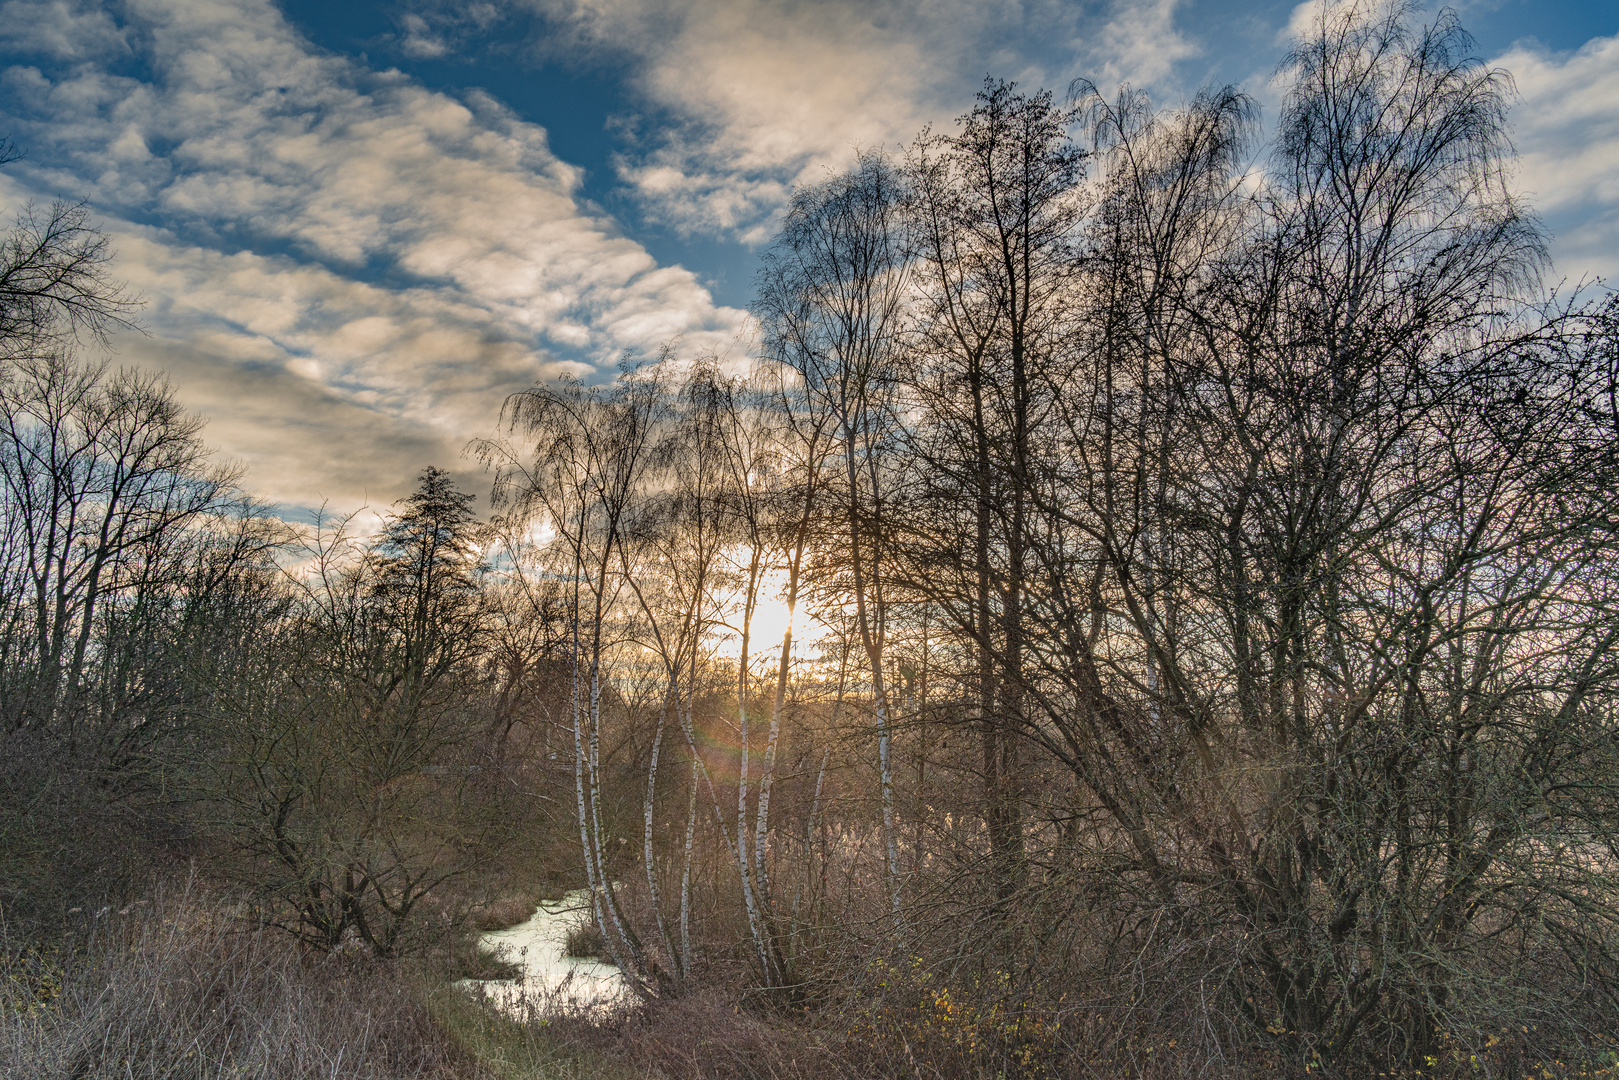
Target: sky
358, 226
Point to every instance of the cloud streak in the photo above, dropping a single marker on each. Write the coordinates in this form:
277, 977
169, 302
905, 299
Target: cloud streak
1567, 133
348, 271
746, 98
348, 243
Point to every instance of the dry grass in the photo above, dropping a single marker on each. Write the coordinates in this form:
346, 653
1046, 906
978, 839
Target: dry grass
535, 1049
503, 913
706, 1035
179, 988
176, 989
585, 941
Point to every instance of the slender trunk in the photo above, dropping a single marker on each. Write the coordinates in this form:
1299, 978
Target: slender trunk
809, 845
991, 701
689, 730
871, 637
684, 715
578, 715
685, 877
778, 703
607, 899
653, 897
751, 898
1009, 815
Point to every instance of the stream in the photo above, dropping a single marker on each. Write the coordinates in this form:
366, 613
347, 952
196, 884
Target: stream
549, 977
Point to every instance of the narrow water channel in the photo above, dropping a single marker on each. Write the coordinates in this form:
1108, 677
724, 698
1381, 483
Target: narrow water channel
550, 978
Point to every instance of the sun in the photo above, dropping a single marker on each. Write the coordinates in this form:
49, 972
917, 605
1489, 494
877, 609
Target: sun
770, 619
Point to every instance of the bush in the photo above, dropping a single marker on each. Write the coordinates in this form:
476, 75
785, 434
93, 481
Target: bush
707, 1035
503, 913
176, 988
585, 940
908, 1020
63, 839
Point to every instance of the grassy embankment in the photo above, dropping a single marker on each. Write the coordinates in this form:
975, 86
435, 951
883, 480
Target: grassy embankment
180, 988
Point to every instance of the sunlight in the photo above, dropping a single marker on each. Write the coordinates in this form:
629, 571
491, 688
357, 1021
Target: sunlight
769, 621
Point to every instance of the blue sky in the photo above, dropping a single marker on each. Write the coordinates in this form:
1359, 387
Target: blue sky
359, 225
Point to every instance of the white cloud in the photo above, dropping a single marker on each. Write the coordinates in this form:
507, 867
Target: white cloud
1139, 45
1304, 18
1567, 132
361, 254
348, 271
419, 39
61, 29
765, 94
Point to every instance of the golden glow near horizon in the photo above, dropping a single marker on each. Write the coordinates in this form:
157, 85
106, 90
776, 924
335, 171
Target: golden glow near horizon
769, 622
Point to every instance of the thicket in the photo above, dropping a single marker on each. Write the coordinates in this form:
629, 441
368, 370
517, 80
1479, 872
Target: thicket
1145, 606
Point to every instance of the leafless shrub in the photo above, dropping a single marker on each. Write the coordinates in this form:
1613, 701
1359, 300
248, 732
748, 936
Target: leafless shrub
709, 1035
584, 939
177, 988
503, 913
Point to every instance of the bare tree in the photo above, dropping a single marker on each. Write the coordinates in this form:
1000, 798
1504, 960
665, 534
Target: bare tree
55, 283
992, 218
1339, 565
350, 754
102, 473
591, 453
832, 301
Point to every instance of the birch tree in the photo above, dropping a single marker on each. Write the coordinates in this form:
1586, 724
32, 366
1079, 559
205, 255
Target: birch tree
832, 299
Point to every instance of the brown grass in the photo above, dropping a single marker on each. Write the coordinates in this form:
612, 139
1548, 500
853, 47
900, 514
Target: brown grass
503, 913
706, 1035
177, 989
585, 940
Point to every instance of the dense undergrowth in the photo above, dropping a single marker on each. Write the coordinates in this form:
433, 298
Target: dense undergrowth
178, 987
181, 986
